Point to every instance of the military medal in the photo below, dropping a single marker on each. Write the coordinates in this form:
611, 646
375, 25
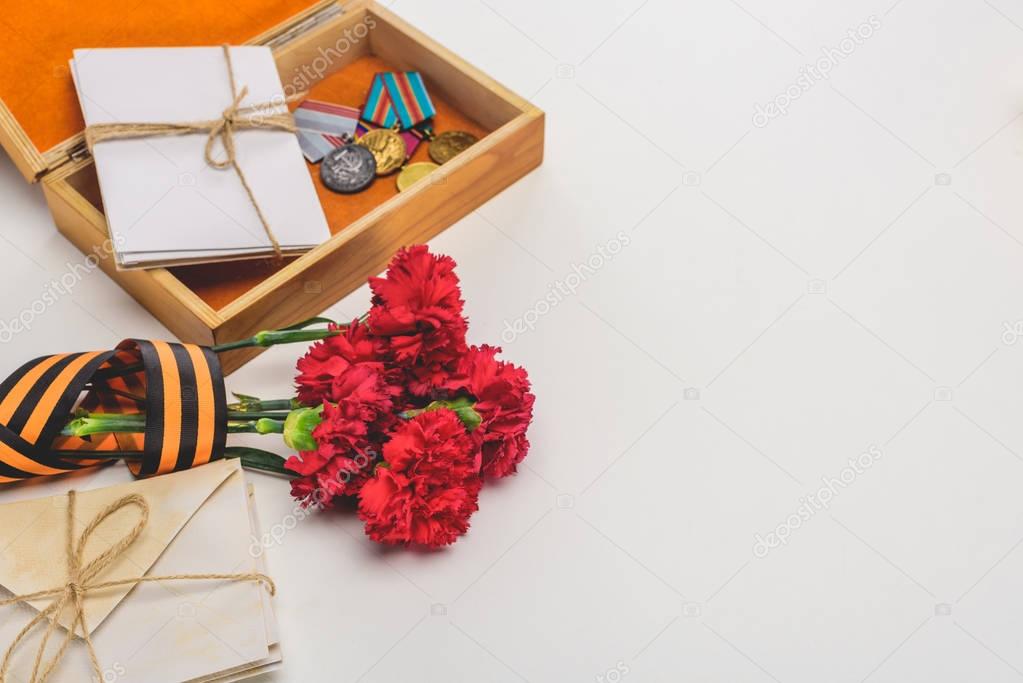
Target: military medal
396, 117
412, 137
449, 144
413, 173
348, 169
387, 148
396, 102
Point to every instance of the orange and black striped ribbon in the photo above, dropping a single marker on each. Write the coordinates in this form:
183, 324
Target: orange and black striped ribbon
179, 387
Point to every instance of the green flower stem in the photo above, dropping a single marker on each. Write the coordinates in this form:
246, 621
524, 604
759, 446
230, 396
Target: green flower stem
265, 339
112, 423
263, 425
86, 424
255, 415
268, 338
104, 423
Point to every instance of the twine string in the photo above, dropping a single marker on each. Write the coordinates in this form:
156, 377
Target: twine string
232, 119
80, 582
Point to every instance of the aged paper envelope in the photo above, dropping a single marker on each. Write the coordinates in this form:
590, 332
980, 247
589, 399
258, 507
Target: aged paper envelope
200, 522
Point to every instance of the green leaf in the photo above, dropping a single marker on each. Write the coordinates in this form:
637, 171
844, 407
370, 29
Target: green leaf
254, 404
244, 402
257, 459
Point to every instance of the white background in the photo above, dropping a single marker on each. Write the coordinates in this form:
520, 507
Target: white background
846, 277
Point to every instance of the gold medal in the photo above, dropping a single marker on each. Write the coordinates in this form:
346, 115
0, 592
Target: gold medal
387, 147
413, 173
449, 144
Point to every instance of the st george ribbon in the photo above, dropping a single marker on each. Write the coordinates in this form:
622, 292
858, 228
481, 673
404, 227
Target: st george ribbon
179, 388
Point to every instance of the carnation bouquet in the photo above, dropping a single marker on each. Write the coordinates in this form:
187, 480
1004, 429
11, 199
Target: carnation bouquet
393, 411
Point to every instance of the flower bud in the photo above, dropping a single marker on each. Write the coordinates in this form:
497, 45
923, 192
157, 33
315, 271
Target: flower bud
299, 426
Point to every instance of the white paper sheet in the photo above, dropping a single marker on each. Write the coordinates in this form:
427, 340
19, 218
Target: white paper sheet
162, 201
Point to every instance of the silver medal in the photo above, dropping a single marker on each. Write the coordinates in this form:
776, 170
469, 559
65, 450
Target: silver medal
348, 169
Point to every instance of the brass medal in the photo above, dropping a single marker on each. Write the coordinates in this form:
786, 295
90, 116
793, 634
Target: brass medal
414, 173
449, 144
387, 147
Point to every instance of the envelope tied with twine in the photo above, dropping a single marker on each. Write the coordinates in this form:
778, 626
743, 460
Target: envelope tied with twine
162, 584
196, 155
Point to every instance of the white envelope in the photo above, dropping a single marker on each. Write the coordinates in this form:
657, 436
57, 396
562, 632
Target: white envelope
163, 203
201, 521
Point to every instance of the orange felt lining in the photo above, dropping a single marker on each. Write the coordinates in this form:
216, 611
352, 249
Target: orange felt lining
220, 284
37, 38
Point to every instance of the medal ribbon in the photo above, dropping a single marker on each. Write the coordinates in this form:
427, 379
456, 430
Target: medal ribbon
398, 98
409, 97
378, 109
179, 387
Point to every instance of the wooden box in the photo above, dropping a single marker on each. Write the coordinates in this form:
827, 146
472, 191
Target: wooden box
331, 49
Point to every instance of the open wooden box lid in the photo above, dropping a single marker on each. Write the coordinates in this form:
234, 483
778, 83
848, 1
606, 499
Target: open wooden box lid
40, 118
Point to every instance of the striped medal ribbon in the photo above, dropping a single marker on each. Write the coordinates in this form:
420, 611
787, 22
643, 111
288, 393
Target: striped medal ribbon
378, 109
398, 99
179, 387
409, 98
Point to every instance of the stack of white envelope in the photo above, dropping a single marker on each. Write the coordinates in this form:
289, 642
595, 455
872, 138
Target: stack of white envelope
164, 204
202, 521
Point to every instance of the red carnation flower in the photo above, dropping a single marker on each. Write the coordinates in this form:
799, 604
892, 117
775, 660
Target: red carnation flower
394, 412
344, 455
504, 402
428, 486
329, 359
418, 307
327, 477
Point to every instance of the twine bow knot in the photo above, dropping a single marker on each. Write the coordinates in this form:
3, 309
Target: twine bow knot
80, 582
224, 131
233, 119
